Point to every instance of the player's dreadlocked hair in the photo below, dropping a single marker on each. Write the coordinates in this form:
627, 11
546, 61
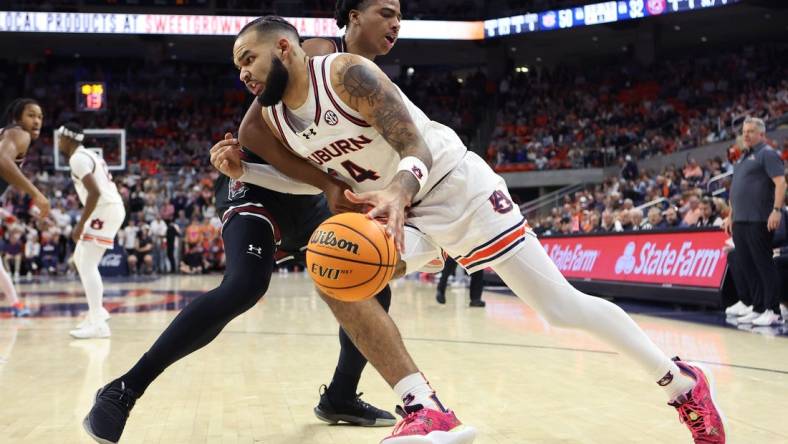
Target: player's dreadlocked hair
343, 8
14, 110
270, 23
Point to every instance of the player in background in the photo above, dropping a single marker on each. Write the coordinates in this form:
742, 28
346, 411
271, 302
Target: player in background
102, 215
22, 119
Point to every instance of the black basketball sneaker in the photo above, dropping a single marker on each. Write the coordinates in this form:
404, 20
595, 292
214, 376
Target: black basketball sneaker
107, 418
353, 411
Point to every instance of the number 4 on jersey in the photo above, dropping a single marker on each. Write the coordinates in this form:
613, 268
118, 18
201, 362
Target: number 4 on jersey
359, 174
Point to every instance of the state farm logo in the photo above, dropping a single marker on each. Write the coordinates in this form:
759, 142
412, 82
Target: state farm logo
653, 260
111, 260
573, 259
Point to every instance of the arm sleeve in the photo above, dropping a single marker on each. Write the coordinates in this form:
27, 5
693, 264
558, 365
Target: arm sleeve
81, 165
773, 164
270, 178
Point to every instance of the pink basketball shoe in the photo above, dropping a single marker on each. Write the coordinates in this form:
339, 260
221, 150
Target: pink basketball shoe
697, 409
427, 426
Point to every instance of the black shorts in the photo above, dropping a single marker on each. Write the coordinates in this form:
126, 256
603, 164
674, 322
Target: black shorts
291, 226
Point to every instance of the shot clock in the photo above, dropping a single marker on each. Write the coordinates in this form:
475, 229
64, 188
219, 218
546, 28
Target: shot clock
91, 96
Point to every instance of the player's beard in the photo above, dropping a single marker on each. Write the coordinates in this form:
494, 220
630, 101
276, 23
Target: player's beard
275, 84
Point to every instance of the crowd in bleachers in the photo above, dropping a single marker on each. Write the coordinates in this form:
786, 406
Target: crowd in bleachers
693, 195
563, 118
595, 115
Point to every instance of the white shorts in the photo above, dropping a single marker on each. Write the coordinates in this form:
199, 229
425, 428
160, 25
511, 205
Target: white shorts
470, 215
104, 224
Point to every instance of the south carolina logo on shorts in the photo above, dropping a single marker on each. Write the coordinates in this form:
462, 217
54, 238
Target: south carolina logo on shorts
97, 224
331, 118
236, 189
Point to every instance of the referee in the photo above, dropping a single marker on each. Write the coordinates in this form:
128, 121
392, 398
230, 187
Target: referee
757, 198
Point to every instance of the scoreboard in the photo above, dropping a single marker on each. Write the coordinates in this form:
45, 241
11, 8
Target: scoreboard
91, 96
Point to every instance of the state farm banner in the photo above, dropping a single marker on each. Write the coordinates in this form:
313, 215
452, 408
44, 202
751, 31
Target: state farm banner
695, 259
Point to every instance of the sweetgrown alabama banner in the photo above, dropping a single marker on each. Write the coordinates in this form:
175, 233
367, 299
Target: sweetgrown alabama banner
693, 259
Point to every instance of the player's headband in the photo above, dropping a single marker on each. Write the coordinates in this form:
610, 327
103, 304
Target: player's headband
63, 131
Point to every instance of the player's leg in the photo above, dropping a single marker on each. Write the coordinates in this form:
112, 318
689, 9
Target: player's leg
374, 333
339, 401
8, 289
448, 270
87, 256
477, 286
245, 281
532, 275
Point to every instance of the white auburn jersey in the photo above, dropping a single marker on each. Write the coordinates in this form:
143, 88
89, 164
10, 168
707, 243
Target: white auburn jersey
83, 162
340, 140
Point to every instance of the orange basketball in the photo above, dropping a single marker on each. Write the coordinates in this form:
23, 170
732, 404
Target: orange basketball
350, 257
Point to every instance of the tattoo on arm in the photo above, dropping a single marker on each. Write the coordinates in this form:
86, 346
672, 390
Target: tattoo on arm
385, 106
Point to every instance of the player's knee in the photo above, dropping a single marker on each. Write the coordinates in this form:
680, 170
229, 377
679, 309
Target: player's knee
245, 290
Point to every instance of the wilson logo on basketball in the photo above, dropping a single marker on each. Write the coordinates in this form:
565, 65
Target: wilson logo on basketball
328, 272
329, 239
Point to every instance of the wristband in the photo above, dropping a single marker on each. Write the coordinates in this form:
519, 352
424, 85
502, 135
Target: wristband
414, 166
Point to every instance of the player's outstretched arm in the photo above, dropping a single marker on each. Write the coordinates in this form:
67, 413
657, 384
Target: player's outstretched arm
15, 142
366, 89
226, 157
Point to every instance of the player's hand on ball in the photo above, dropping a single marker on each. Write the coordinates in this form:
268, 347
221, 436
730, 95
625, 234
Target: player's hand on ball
226, 157
337, 201
388, 204
41, 206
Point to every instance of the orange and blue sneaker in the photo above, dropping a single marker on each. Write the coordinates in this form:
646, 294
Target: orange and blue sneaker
19, 310
697, 408
421, 425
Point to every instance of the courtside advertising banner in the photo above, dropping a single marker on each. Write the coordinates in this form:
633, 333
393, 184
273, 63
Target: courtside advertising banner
688, 259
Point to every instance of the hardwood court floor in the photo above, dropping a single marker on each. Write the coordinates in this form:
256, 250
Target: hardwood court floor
502, 368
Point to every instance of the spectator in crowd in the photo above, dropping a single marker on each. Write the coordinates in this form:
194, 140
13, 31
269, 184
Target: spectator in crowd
757, 199
637, 219
144, 251
654, 221
672, 218
158, 231
609, 223
130, 236
173, 246
32, 254
708, 217
49, 259
566, 225
625, 220
691, 211
14, 251
693, 171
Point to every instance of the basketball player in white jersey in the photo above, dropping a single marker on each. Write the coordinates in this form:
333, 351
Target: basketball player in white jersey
102, 216
22, 125
341, 113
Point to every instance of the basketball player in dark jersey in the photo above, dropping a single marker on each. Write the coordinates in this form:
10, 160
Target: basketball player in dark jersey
22, 120
255, 222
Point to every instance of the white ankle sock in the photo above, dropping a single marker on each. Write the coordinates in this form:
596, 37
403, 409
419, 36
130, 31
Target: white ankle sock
415, 389
675, 383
